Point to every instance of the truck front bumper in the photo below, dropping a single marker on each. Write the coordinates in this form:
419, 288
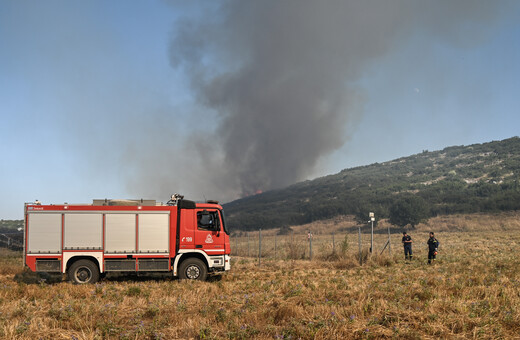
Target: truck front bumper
227, 262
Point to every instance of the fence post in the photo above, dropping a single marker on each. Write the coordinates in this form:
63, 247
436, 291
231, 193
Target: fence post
275, 246
248, 250
333, 245
359, 246
259, 246
389, 243
310, 246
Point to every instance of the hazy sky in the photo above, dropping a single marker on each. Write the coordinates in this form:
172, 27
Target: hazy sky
141, 99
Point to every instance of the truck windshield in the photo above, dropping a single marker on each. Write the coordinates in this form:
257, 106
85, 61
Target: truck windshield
224, 222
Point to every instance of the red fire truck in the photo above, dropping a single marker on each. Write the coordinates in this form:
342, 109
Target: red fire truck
87, 241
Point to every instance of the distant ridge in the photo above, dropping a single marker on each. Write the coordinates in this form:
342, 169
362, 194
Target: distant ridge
458, 179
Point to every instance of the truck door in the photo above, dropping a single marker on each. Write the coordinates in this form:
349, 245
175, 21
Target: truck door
186, 232
227, 245
209, 236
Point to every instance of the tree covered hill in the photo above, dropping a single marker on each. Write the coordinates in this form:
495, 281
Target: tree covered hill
10, 225
10, 236
458, 179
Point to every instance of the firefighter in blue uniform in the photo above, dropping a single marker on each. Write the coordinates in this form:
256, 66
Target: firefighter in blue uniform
433, 247
407, 243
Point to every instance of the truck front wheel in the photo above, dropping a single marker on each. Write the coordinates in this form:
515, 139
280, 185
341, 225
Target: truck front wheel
83, 271
193, 269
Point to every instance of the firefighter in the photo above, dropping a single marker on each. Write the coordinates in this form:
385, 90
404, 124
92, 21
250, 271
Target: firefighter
407, 243
433, 247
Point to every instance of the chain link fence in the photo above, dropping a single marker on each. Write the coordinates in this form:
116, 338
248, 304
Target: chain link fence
300, 246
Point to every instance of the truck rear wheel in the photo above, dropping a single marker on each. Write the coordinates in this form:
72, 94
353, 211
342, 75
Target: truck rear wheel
193, 269
83, 271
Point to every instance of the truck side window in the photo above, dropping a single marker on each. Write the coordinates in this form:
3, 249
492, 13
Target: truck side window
208, 220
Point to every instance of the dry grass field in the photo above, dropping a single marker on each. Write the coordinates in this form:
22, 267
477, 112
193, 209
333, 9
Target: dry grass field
472, 291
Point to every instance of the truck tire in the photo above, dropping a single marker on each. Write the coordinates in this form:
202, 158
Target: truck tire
193, 269
83, 271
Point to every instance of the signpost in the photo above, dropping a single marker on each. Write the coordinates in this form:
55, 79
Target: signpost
359, 245
372, 219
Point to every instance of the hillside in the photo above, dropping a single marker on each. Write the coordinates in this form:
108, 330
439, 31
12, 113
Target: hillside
458, 179
10, 225
10, 236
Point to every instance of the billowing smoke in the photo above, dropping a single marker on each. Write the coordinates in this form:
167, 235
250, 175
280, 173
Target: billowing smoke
282, 77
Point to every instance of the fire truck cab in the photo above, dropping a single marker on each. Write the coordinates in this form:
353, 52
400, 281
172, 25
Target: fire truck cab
85, 241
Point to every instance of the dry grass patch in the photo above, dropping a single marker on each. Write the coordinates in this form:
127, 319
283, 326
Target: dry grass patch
473, 291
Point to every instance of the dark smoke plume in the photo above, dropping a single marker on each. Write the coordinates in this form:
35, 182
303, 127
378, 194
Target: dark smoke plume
282, 77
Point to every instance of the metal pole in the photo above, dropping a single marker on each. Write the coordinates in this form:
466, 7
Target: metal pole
275, 246
386, 245
310, 245
372, 238
259, 245
389, 244
359, 244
